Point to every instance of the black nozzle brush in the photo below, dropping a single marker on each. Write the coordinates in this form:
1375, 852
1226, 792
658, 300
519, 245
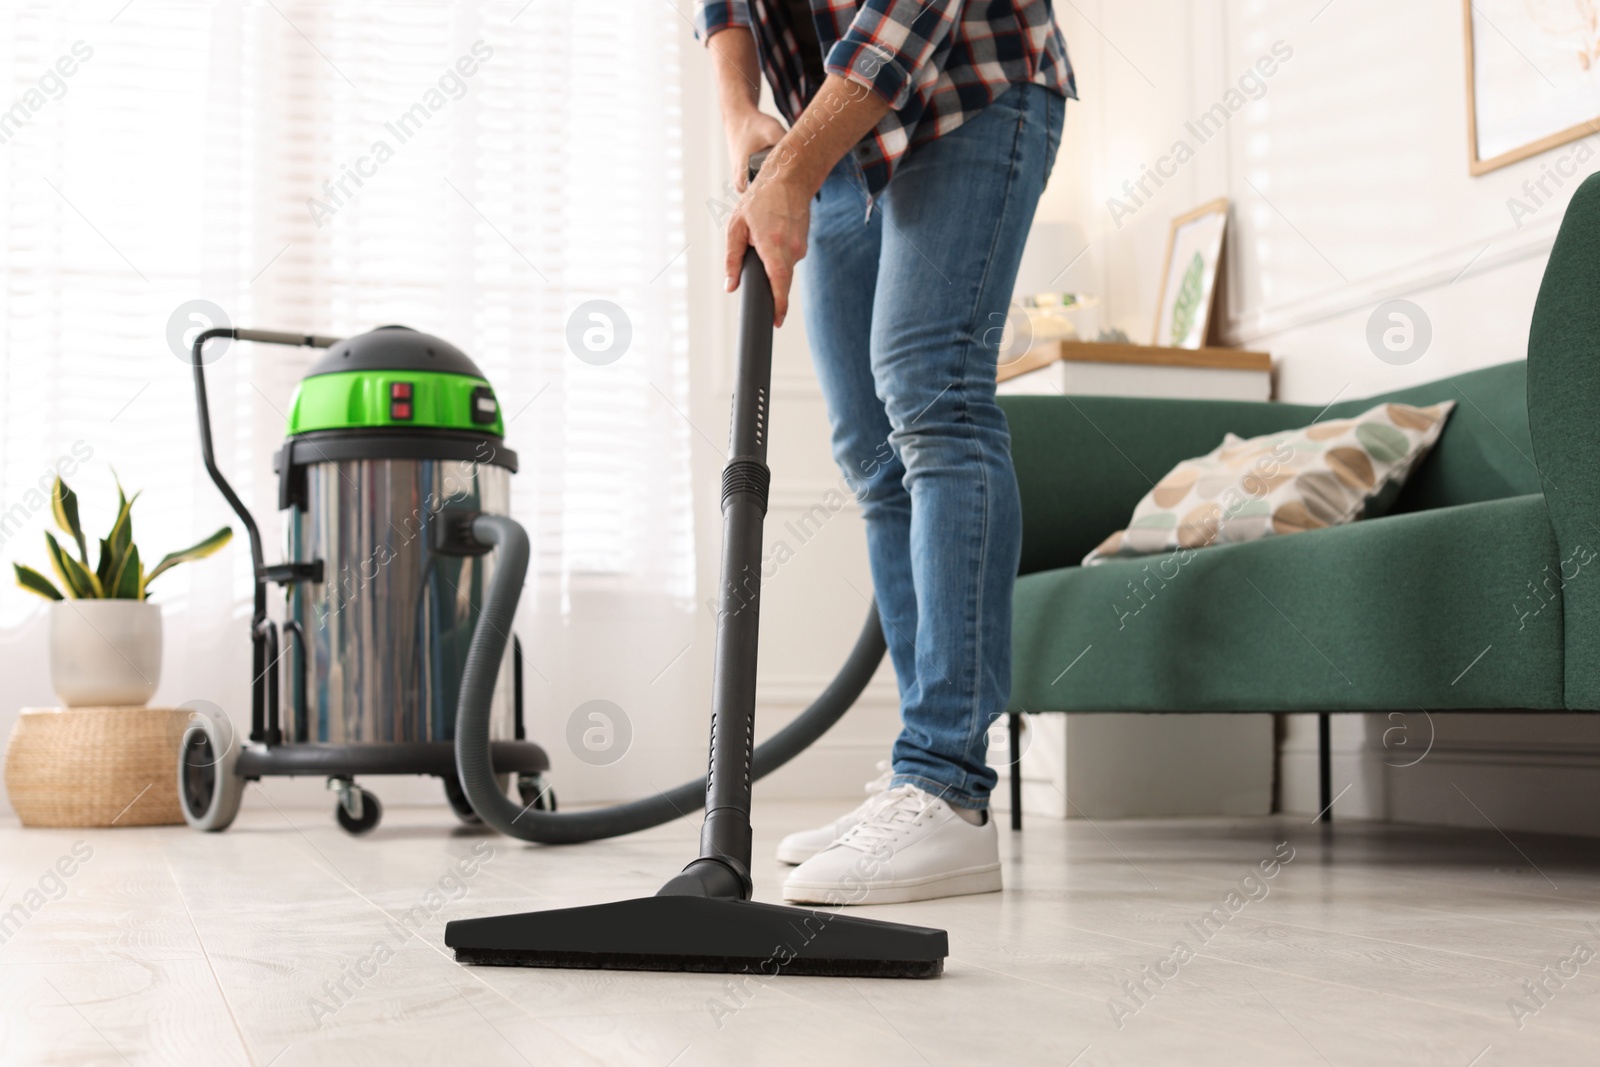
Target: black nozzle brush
687, 933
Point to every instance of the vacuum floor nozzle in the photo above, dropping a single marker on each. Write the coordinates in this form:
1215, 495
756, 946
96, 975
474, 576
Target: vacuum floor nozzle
687, 933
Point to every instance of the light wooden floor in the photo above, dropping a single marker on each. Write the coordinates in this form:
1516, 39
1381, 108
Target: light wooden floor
1377, 945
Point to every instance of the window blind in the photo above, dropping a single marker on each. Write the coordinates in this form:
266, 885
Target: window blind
477, 171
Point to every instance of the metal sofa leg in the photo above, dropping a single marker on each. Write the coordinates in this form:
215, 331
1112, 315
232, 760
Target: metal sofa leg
1014, 731
1324, 767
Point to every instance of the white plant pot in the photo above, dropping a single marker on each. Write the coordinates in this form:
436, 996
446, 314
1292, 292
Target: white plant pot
105, 653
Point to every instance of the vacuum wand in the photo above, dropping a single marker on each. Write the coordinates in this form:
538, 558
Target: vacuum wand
722, 869
725, 837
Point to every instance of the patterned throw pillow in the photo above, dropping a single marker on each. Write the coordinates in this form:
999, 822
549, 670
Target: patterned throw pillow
1325, 474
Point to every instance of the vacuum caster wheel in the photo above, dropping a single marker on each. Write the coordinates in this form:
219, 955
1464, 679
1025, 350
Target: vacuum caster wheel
358, 810
208, 789
458, 798
536, 792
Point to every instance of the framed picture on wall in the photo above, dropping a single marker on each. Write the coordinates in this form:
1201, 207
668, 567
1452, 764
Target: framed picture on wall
1189, 276
1533, 77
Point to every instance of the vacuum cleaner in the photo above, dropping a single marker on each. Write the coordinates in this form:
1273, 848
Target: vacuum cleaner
401, 586
395, 444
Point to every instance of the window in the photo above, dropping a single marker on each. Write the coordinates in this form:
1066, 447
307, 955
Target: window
478, 171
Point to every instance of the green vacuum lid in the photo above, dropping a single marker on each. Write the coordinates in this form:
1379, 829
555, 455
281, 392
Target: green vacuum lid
395, 378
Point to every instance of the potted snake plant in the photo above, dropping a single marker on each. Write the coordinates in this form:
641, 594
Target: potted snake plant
105, 634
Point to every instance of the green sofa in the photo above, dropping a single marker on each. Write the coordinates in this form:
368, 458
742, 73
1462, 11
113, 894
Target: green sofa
1478, 590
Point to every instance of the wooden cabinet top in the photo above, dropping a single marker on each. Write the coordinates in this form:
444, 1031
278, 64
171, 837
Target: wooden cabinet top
1043, 355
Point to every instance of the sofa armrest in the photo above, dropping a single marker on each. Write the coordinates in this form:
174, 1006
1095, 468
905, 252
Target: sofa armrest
1084, 462
1563, 397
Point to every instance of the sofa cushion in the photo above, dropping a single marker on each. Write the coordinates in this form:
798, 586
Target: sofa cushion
1434, 609
1485, 451
1329, 473
1083, 462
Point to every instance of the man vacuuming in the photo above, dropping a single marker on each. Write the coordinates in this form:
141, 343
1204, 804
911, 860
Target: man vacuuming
921, 134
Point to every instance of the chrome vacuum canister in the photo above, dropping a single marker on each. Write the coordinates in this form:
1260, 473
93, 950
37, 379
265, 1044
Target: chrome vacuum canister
395, 440
396, 613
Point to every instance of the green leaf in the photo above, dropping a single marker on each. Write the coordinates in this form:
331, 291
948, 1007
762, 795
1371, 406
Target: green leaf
1186, 305
121, 535
34, 582
102, 570
193, 552
79, 582
122, 530
64, 505
129, 582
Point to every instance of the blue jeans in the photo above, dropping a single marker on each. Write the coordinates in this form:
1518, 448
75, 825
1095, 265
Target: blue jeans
905, 310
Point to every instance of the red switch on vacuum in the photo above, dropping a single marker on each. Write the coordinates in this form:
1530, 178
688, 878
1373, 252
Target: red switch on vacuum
400, 401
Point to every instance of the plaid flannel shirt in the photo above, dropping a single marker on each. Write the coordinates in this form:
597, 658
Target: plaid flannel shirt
936, 62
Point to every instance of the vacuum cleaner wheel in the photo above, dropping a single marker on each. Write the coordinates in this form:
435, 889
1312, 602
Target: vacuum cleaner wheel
536, 792
209, 790
366, 816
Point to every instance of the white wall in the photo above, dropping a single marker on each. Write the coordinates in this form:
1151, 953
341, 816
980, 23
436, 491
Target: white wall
1349, 184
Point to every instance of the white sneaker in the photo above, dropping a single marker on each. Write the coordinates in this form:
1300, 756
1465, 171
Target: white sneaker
801, 846
909, 845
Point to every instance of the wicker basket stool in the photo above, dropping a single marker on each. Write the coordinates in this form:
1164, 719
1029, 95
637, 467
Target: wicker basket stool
96, 766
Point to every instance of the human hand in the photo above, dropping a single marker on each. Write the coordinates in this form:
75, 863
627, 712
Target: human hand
774, 217
748, 134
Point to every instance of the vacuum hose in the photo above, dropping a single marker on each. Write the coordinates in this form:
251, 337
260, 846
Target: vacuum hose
473, 763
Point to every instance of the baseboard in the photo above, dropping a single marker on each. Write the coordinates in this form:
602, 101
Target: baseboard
828, 770
1511, 792
1357, 788
1040, 798
1299, 776
1513, 772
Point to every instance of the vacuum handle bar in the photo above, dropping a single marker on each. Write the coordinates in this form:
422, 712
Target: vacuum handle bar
208, 453
263, 698
279, 337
